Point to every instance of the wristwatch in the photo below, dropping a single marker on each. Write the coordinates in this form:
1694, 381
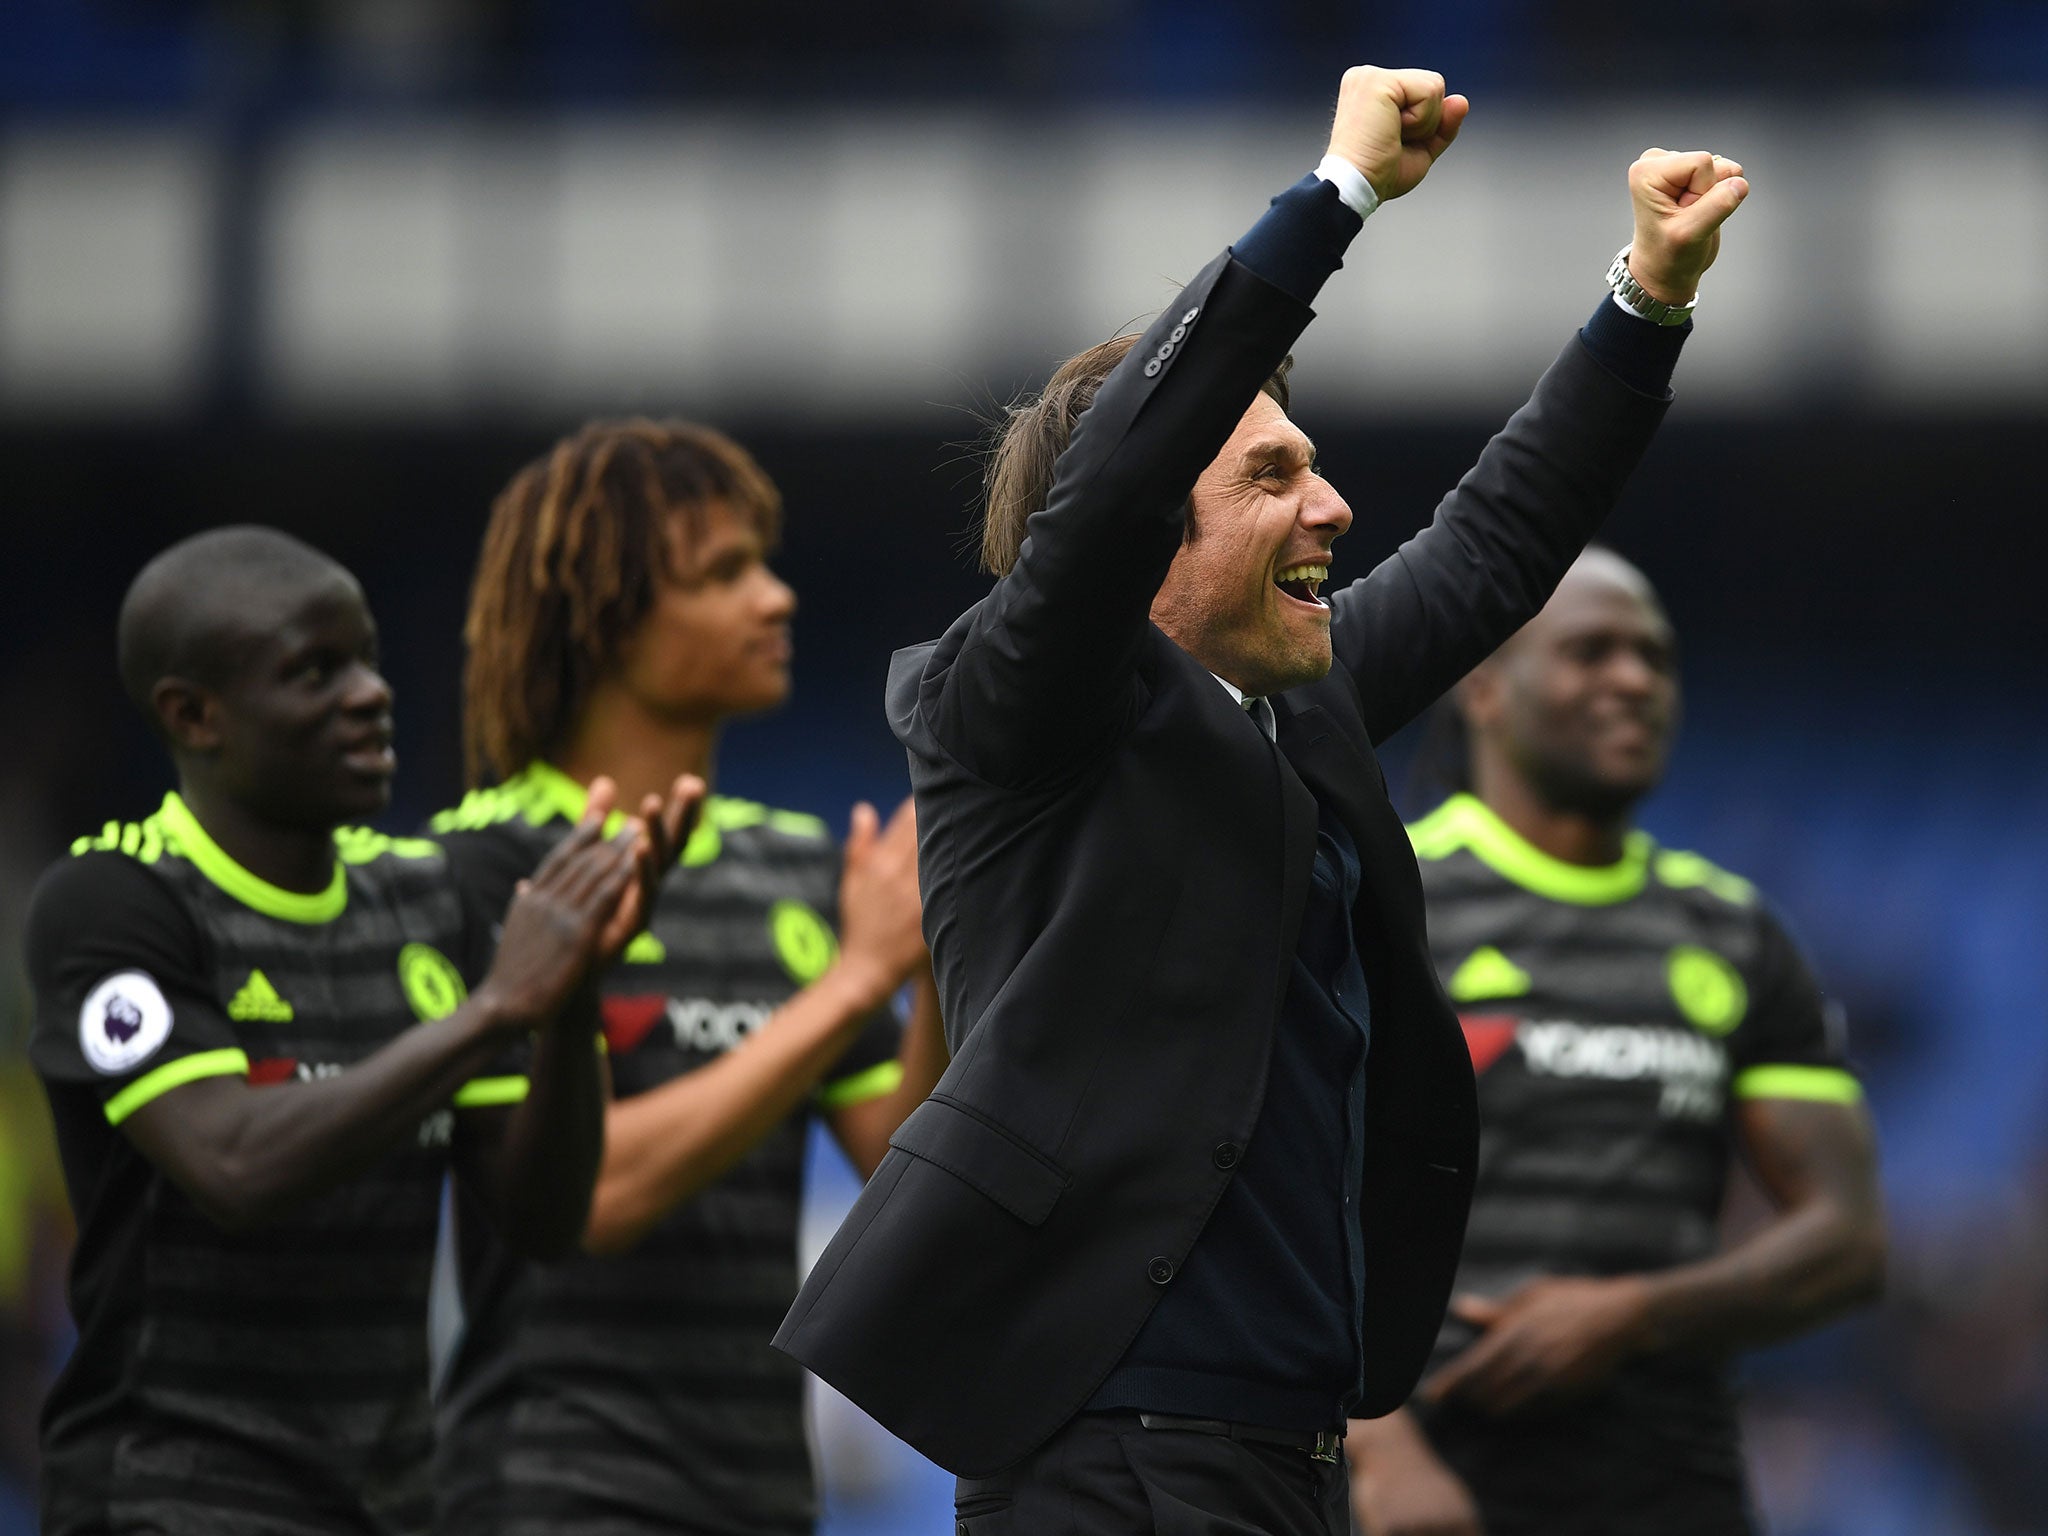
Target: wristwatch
1638, 302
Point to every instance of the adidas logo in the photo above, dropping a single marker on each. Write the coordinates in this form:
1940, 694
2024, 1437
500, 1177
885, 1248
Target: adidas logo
1487, 973
258, 999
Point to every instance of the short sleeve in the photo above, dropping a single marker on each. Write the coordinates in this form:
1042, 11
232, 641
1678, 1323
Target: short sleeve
486, 868
1793, 1043
123, 1005
870, 1068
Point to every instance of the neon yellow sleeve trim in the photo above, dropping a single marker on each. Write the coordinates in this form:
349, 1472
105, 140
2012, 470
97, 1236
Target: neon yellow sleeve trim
884, 1077
482, 1092
1820, 1085
175, 1074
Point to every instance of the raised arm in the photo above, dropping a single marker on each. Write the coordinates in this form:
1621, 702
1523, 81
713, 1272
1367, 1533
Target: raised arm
1503, 539
1041, 680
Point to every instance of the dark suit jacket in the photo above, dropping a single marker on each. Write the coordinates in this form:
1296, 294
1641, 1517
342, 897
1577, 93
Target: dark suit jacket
1114, 863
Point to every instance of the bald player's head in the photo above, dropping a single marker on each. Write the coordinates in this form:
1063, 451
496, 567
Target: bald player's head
1581, 704
255, 657
191, 611
1600, 567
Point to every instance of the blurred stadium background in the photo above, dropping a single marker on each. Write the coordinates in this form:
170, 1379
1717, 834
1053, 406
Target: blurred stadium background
341, 265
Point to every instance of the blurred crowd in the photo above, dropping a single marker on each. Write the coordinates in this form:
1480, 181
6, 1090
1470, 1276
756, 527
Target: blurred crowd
1928, 1415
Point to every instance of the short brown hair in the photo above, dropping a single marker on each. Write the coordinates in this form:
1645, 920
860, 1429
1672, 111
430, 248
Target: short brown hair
1032, 435
577, 546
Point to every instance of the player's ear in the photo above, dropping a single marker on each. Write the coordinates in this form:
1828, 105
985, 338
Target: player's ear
1478, 697
187, 714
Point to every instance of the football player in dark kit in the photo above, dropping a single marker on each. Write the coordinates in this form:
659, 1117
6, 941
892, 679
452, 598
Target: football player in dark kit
263, 1035
1635, 1014
623, 610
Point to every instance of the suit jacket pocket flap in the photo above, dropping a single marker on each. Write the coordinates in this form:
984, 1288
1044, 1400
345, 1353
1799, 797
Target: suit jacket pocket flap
983, 1155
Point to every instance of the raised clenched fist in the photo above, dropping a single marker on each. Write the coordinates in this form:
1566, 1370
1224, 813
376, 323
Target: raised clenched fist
1393, 123
1681, 200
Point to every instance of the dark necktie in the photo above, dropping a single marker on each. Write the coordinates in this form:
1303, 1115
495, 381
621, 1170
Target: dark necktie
1262, 716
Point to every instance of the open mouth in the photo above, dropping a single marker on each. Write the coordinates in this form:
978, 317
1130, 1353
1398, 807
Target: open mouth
1631, 733
371, 755
1302, 582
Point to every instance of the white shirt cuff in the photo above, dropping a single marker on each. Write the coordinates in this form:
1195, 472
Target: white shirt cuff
1622, 305
1350, 183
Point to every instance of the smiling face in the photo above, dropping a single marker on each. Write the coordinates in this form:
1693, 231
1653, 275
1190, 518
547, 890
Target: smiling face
1243, 596
716, 642
1582, 704
297, 726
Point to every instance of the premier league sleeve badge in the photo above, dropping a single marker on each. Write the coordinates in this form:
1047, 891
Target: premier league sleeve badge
125, 1020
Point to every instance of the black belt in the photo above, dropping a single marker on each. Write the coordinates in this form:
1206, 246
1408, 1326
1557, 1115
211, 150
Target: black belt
1321, 1445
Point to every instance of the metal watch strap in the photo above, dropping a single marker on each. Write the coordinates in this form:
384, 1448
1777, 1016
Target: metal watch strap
1637, 299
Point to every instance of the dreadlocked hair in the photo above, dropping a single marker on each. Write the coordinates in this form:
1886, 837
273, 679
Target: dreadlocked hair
578, 545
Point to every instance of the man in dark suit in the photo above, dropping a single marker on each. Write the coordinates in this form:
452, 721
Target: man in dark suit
1193, 1187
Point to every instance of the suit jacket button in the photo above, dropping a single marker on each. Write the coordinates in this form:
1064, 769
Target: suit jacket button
1180, 334
1160, 1270
1189, 317
1226, 1155
1152, 368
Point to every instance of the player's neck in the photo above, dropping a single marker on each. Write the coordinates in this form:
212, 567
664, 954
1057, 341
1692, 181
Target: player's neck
642, 753
290, 858
1576, 837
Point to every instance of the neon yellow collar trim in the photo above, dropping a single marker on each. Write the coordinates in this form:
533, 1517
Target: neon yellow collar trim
549, 787
250, 890
1468, 820
563, 795
555, 789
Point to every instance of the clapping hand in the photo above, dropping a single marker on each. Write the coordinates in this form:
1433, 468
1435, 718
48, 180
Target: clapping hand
587, 899
880, 914
552, 928
657, 834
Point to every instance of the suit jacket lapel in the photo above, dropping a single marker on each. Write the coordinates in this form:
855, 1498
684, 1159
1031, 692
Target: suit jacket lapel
1337, 775
1328, 765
